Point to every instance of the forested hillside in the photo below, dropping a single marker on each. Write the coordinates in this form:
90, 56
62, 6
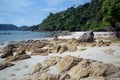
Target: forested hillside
97, 15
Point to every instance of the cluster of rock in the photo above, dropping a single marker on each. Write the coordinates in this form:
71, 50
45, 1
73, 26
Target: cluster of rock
45, 47
40, 47
73, 68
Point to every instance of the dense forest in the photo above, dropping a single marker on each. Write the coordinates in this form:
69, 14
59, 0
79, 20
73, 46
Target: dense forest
96, 15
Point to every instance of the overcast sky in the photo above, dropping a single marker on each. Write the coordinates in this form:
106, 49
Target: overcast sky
32, 12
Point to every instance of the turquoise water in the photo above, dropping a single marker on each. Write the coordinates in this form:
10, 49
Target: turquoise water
7, 36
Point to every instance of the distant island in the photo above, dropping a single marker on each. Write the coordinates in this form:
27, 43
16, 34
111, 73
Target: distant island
97, 15
8, 27
12, 27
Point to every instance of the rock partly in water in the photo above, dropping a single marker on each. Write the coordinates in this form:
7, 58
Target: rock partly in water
5, 65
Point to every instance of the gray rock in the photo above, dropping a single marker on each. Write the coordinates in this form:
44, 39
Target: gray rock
88, 37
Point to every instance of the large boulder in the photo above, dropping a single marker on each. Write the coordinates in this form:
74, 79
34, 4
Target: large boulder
88, 68
67, 63
88, 37
5, 65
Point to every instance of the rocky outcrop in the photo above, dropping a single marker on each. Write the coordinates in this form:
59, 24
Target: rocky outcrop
73, 68
87, 68
5, 65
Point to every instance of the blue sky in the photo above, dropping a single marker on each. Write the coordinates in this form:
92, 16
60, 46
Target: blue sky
32, 12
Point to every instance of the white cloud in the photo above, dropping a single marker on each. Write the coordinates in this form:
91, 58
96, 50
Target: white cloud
14, 5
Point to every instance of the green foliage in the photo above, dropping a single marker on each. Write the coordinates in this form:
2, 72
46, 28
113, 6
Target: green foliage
95, 15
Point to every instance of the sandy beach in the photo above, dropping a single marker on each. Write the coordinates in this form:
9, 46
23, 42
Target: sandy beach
23, 69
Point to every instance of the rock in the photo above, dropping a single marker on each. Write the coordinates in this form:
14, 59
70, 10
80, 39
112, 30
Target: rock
7, 54
18, 57
11, 46
37, 68
88, 68
88, 37
80, 70
21, 52
39, 44
94, 78
67, 63
63, 48
5, 65
115, 76
50, 62
103, 43
72, 48
40, 51
64, 77
56, 48
45, 76
55, 37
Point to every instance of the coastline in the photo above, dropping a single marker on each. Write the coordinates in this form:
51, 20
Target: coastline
88, 52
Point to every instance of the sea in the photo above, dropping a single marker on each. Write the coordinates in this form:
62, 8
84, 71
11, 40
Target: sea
12, 36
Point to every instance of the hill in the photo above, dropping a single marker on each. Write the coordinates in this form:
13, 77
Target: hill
96, 15
23, 27
8, 27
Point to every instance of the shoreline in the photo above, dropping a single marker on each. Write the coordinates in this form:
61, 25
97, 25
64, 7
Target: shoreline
106, 54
